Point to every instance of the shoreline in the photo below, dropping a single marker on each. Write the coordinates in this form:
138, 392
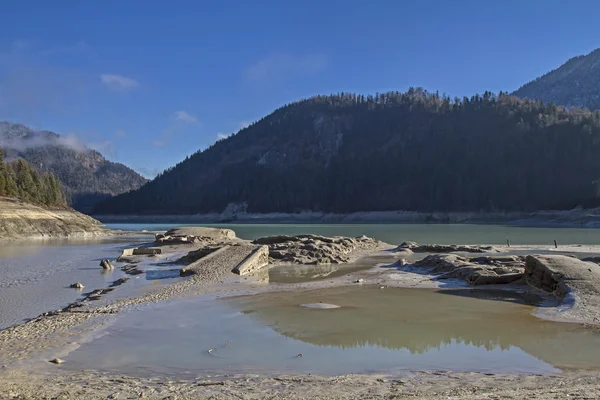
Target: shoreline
31, 344
552, 218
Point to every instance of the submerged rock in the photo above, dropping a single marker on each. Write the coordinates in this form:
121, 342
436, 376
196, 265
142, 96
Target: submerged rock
323, 306
107, 265
119, 282
131, 269
77, 285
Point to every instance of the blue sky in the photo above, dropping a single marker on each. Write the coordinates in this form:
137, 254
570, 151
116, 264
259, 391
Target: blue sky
149, 82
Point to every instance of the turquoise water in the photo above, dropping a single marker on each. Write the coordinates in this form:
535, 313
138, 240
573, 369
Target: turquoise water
397, 233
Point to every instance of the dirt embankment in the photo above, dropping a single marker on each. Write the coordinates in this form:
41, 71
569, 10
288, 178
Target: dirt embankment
19, 220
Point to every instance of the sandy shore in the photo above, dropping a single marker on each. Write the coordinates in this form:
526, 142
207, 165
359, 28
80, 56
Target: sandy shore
25, 372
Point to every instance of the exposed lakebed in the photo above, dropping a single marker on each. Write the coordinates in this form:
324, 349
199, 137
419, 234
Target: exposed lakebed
374, 330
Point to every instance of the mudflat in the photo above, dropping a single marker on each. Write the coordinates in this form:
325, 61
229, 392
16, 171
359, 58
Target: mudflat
26, 349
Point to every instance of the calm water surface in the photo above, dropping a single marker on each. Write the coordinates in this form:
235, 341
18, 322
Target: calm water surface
398, 233
35, 275
375, 330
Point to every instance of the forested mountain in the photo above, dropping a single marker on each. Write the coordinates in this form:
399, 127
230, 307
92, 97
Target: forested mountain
22, 181
576, 83
86, 175
393, 151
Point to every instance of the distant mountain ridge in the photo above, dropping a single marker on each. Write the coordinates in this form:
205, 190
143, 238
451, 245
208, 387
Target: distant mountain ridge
576, 83
413, 151
85, 174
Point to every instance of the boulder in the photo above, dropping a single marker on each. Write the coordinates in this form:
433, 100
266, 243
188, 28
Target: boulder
106, 265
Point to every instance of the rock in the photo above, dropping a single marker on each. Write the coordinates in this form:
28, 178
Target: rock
76, 285
131, 269
446, 248
258, 259
558, 274
107, 265
195, 234
119, 282
315, 249
401, 262
56, 361
359, 280
454, 266
564, 277
408, 245
491, 278
323, 306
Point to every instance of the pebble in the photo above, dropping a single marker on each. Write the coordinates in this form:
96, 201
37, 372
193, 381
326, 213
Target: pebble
57, 361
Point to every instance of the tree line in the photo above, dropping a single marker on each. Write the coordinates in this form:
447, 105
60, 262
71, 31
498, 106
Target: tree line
18, 179
415, 150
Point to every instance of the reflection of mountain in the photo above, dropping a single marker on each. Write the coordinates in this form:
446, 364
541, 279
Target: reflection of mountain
421, 320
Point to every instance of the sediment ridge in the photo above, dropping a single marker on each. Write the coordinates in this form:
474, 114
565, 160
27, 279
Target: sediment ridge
20, 220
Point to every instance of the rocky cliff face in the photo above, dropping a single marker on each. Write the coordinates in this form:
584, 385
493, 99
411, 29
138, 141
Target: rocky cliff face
86, 175
576, 83
19, 220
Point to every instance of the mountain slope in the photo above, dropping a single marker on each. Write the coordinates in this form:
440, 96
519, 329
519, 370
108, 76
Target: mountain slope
412, 151
85, 174
575, 83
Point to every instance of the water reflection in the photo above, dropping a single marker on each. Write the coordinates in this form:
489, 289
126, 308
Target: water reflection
424, 320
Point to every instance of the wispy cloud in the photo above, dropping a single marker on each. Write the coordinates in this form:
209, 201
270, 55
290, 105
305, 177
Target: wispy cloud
119, 82
149, 173
244, 124
121, 133
184, 116
79, 47
221, 135
159, 143
285, 66
106, 148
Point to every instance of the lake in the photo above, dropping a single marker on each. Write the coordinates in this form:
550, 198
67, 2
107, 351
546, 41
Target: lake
398, 233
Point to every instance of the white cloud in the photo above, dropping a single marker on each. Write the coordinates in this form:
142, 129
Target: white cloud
158, 143
221, 135
244, 124
149, 173
184, 116
121, 133
119, 82
285, 66
106, 148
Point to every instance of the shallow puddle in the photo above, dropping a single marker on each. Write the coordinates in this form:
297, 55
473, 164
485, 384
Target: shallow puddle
374, 330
